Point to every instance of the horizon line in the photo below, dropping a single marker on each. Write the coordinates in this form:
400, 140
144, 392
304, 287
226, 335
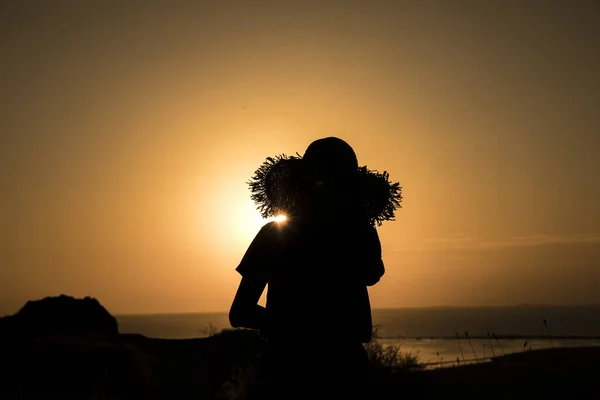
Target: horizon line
524, 305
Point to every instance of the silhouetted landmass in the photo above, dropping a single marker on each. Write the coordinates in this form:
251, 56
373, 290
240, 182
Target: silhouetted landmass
61, 315
82, 356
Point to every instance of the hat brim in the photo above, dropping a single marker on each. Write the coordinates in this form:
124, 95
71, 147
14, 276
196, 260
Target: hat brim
275, 184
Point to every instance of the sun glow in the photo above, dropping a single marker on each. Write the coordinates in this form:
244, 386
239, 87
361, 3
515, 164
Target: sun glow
240, 224
280, 218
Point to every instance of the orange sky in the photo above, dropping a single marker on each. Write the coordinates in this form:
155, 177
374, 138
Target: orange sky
129, 130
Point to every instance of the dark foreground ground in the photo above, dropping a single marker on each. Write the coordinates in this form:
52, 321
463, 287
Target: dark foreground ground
219, 367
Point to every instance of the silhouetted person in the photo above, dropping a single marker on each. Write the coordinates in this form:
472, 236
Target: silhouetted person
317, 264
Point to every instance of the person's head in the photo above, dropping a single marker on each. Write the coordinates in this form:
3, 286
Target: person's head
330, 171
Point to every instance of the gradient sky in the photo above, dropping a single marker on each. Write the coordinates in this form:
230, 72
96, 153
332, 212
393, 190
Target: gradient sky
129, 131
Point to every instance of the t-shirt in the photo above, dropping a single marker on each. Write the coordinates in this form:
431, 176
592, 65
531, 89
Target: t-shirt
317, 278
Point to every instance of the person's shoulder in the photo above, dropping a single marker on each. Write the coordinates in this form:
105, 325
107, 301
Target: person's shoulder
270, 225
365, 227
270, 231
259, 257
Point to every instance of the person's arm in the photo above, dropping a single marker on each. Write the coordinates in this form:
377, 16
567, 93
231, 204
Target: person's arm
375, 271
245, 311
375, 267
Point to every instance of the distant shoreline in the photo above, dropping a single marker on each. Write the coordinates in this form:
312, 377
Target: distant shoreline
503, 337
477, 337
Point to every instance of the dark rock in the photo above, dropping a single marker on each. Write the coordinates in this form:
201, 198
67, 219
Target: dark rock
61, 315
67, 345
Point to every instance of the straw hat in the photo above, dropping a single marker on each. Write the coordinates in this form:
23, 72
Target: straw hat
279, 184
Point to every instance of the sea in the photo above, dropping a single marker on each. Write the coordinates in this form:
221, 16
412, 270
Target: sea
437, 336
